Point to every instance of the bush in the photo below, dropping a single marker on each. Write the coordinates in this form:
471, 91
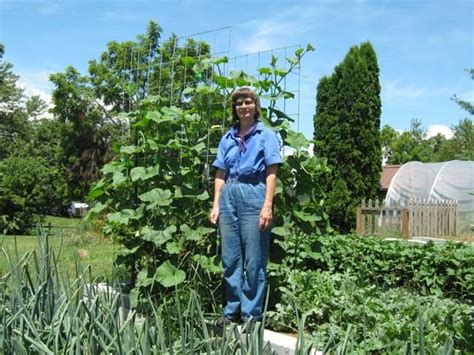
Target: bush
29, 186
428, 269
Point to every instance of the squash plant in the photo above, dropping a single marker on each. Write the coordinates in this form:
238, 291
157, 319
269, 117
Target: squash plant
155, 194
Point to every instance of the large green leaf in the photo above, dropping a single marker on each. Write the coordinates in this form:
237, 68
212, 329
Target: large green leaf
99, 207
154, 116
199, 147
137, 173
129, 149
173, 247
169, 275
296, 140
158, 237
142, 173
111, 168
282, 231
95, 192
208, 263
306, 217
143, 279
172, 113
157, 196
204, 196
204, 89
118, 178
121, 217
195, 234
264, 70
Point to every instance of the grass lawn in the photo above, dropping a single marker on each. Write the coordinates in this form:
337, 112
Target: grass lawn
62, 226
97, 253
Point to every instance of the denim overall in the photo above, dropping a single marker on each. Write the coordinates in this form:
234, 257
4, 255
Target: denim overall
244, 246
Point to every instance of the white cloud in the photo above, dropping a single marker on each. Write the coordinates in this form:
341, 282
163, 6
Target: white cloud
267, 35
278, 29
433, 130
37, 83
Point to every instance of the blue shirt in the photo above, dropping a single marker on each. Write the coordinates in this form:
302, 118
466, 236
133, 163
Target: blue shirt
261, 150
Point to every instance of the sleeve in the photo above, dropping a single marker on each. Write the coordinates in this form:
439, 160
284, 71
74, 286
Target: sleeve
219, 162
271, 149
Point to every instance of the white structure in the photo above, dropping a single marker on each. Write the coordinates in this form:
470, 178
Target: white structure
78, 209
452, 180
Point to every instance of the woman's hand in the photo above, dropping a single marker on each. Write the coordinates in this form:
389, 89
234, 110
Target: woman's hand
214, 216
266, 217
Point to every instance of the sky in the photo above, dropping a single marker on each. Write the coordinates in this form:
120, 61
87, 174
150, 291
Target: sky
423, 47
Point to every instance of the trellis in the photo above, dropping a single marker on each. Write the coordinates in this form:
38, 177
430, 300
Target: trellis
220, 44
220, 41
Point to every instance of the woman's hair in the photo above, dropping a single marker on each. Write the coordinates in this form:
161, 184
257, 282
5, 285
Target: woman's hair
245, 93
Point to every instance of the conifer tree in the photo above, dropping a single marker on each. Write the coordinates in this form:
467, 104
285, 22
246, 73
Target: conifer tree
347, 133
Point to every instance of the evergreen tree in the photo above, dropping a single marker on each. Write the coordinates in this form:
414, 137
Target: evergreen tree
347, 133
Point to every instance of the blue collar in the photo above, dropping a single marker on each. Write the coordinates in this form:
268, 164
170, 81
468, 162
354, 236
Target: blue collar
233, 131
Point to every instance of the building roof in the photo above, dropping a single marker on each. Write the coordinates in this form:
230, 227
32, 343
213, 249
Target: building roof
387, 174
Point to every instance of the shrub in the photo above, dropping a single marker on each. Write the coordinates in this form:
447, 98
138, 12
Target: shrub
29, 186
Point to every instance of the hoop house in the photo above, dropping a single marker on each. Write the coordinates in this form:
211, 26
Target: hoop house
452, 180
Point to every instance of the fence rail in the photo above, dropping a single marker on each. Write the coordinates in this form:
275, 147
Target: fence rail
413, 218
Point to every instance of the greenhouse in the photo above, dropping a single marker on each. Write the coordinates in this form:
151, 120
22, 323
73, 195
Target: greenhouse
452, 180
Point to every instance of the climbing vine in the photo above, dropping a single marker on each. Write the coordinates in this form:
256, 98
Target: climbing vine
155, 195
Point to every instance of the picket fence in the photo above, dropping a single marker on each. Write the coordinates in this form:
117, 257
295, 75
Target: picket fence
415, 218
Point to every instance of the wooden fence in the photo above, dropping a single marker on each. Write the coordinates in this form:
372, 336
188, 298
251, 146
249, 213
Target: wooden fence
416, 218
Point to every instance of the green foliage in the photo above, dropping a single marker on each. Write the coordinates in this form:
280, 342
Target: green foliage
44, 312
88, 108
14, 128
413, 145
156, 195
129, 71
85, 133
28, 185
24, 186
381, 321
346, 127
382, 290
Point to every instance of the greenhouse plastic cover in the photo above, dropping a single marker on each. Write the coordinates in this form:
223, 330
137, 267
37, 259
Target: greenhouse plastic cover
452, 180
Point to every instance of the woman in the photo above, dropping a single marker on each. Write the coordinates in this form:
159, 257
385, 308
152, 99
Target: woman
247, 163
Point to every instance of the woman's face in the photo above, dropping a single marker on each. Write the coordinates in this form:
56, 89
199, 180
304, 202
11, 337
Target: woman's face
245, 108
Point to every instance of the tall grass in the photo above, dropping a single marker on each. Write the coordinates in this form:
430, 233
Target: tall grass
43, 311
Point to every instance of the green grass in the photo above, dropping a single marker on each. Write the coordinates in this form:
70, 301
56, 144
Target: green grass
63, 226
62, 221
97, 253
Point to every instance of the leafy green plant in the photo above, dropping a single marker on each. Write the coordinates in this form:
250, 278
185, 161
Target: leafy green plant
379, 320
44, 312
430, 269
155, 194
29, 186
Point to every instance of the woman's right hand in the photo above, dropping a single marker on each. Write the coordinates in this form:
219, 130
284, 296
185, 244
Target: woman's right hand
214, 216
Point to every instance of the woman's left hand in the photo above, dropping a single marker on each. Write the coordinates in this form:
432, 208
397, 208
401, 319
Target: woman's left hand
266, 217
